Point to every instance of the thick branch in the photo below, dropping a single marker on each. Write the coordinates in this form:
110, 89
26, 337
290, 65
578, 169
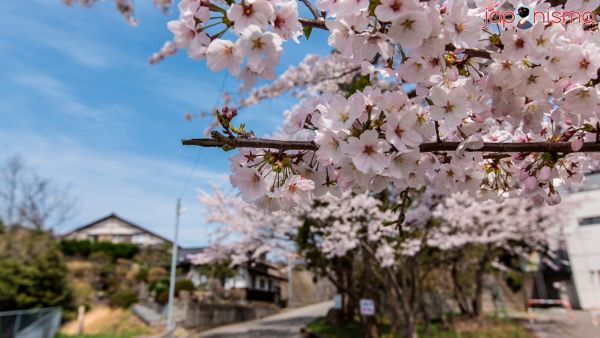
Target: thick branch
312, 9
313, 23
219, 140
503, 148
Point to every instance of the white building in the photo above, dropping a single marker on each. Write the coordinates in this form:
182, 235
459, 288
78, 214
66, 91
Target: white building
115, 229
583, 241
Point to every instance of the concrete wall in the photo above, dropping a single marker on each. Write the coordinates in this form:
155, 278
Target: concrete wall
304, 289
583, 244
200, 315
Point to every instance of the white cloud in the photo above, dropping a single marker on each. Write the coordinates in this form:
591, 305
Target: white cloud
64, 100
70, 38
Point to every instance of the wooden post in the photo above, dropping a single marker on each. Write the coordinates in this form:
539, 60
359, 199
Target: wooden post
80, 319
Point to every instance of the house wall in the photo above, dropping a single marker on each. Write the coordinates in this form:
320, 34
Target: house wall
115, 231
240, 281
583, 243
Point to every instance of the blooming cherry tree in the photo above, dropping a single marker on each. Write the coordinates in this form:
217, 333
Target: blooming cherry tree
524, 99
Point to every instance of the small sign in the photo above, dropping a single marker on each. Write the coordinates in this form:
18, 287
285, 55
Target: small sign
367, 307
337, 301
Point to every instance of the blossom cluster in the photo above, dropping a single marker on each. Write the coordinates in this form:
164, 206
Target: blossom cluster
314, 75
257, 47
427, 72
537, 227
537, 85
352, 223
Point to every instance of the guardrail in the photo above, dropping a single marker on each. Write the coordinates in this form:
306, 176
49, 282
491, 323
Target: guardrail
33, 323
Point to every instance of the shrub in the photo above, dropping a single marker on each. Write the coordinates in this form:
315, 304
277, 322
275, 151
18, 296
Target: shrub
184, 285
85, 248
155, 274
33, 272
163, 297
123, 298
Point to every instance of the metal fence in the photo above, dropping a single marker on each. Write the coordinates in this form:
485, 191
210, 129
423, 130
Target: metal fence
34, 323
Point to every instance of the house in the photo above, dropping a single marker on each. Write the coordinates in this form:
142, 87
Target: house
582, 239
252, 281
116, 229
257, 281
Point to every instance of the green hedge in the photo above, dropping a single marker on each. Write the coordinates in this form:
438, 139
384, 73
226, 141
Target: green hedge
184, 285
85, 248
124, 299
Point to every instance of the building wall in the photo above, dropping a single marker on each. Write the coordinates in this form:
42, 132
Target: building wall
241, 280
583, 244
115, 231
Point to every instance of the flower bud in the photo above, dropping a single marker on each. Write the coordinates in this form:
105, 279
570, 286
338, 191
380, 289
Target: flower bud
577, 144
545, 174
553, 198
531, 183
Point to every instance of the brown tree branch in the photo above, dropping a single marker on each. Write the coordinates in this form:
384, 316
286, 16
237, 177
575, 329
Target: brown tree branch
502, 148
313, 23
312, 9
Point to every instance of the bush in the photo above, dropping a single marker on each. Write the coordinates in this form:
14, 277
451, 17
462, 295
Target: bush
33, 272
184, 285
163, 297
123, 298
156, 274
85, 248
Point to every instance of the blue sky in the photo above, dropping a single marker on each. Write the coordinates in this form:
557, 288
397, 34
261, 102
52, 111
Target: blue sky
79, 102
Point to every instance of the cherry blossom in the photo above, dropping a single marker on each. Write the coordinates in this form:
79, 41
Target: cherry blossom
430, 85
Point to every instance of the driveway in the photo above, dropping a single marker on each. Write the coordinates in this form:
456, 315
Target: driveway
554, 323
282, 325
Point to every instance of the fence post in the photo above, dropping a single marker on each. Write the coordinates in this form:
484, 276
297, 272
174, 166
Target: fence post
80, 319
17, 325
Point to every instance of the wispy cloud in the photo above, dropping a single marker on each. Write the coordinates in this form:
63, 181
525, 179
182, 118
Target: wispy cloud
59, 98
140, 188
71, 39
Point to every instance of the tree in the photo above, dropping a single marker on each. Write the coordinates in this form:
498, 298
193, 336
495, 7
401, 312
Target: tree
474, 235
30, 200
356, 243
32, 270
475, 88
496, 112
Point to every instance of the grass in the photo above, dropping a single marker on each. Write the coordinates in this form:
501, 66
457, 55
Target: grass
461, 328
113, 323
131, 335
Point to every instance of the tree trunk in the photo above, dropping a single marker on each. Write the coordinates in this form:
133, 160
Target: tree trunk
410, 325
458, 291
479, 274
368, 292
423, 306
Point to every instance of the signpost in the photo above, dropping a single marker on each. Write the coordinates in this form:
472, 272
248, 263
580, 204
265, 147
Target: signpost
337, 301
367, 307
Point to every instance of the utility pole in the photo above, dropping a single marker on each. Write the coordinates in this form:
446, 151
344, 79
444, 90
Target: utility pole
290, 288
170, 323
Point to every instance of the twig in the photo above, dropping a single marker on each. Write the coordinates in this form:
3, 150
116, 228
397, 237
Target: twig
312, 9
503, 148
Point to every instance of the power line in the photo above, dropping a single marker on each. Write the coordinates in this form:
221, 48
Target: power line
189, 179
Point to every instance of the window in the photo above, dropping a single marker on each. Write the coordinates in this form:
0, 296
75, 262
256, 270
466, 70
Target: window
261, 284
589, 220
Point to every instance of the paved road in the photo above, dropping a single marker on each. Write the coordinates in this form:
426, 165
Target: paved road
556, 324
281, 325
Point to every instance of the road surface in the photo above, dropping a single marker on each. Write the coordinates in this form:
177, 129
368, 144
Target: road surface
554, 323
282, 325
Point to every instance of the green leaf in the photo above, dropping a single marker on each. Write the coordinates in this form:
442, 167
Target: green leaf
307, 30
